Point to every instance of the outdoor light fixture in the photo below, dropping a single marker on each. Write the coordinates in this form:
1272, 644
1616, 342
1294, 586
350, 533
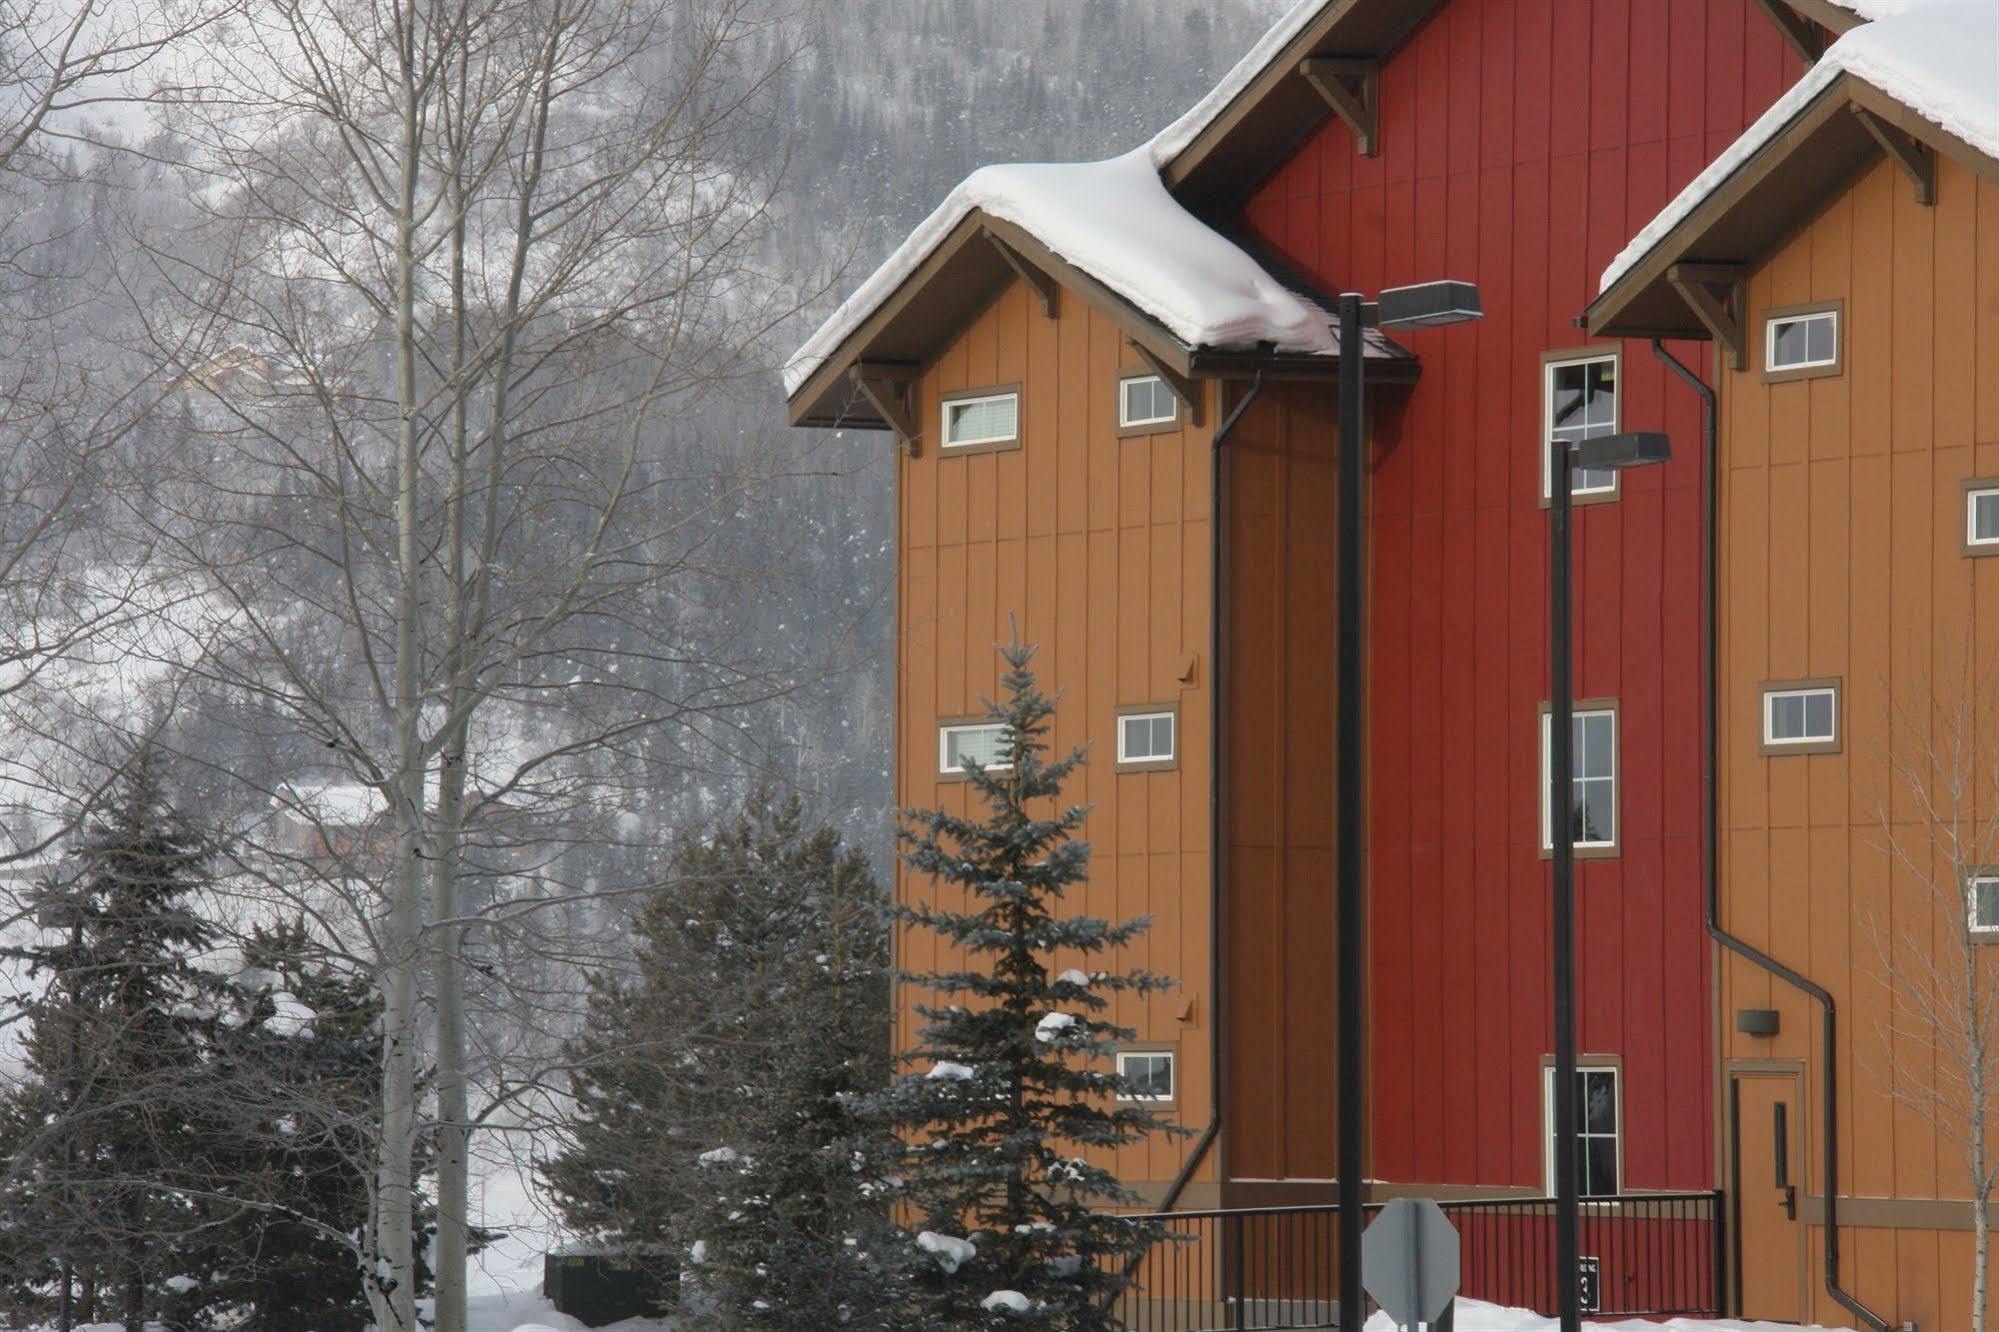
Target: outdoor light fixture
1427, 305
1424, 305
1614, 453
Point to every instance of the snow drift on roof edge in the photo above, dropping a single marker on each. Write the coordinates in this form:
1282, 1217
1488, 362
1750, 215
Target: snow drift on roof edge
1940, 58
1117, 222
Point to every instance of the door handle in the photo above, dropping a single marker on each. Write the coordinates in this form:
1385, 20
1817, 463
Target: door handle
1790, 1202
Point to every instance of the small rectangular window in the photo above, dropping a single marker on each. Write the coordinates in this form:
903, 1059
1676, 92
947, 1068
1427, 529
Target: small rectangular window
1147, 738
1148, 1074
1581, 403
1146, 401
1981, 518
1802, 342
991, 419
1800, 717
1982, 899
1592, 778
983, 743
1598, 1119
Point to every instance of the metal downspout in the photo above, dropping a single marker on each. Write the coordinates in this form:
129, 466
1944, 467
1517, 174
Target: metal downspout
1711, 845
1216, 906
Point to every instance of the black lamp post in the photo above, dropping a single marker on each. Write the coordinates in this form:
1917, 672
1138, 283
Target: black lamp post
1425, 305
1605, 453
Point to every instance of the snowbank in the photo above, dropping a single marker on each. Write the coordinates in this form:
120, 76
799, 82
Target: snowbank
1936, 56
1474, 1316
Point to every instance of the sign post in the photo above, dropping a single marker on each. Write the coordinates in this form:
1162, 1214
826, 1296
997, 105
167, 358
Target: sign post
1409, 1263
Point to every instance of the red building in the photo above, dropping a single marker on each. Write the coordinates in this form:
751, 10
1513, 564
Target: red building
1517, 144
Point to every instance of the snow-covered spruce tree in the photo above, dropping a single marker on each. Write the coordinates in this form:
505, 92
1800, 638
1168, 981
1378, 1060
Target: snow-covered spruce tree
714, 1127
107, 1107
1011, 1081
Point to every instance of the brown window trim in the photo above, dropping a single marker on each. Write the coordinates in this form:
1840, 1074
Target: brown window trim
1146, 765
946, 449
1980, 938
1837, 308
1778, 748
1154, 1047
1545, 833
1153, 428
937, 739
1584, 1063
1971, 484
1596, 351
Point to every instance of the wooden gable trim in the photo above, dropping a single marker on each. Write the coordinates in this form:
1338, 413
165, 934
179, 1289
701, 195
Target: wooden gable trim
1046, 287
1893, 114
886, 387
836, 364
1833, 17
1185, 387
1714, 292
1917, 159
1725, 198
1142, 329
1352, 88
1805, 36
1338, 32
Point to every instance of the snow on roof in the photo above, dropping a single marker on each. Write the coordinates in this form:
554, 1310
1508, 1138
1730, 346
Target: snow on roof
1176, 138
1115, 221
1940, 58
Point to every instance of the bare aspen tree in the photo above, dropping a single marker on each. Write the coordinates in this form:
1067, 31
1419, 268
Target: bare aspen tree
1940, 832
471, 264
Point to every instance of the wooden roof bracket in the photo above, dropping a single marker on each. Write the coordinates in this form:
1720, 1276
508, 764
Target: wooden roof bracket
886, 386
1045, 286
1917, 159
1352, 88
1805, 36
1714, 293
1185, 387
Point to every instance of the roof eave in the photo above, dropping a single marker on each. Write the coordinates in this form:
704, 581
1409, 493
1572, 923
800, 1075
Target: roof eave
1766, 198
1279, 108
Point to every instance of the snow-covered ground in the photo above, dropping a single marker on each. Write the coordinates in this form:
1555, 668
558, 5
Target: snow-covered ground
1474, 1316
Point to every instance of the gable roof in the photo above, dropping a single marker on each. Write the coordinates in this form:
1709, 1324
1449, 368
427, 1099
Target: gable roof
1107, 230
1923, 80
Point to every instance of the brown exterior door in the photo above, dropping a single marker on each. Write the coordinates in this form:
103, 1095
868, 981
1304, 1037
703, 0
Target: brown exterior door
1767, 1186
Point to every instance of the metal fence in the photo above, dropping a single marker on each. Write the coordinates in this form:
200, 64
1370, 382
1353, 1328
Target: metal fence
1268, 1268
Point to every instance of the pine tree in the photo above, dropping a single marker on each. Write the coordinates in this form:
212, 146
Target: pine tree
714, 1125
1009, 1085
296, 1061
107, 1107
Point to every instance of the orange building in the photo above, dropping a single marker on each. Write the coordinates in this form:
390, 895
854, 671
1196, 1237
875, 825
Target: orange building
1843, 258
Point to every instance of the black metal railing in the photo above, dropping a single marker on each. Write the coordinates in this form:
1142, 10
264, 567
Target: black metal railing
1269, 1268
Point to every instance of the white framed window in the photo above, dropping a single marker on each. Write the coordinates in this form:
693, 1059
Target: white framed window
1981, 517
1805, 341
993, 418
1146, 401
1592, 814
1599, 1125
1800, 716
1150, 1075
1981, 898
1579, 402
983, 743
1148, 737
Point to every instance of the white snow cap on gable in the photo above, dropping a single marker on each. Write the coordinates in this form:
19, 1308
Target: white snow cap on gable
1176, 138
1940, 58
1116, 221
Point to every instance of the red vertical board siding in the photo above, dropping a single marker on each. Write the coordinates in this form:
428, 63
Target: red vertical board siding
1522, 142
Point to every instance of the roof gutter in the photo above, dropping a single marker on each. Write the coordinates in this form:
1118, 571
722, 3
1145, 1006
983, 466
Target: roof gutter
1711, 841
1217, 567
